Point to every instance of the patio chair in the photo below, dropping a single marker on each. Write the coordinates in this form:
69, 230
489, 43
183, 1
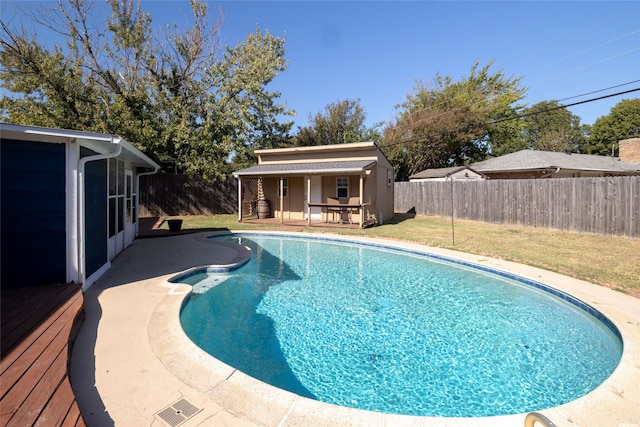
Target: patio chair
332, 201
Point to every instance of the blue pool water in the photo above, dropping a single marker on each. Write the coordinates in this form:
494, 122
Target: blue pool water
397, 332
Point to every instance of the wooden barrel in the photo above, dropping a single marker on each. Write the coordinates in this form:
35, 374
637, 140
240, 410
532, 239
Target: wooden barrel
263, 209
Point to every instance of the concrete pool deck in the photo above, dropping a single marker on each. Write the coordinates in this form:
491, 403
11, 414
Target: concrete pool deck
131, 359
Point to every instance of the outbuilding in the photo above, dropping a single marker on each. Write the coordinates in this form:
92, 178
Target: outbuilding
343, 182
69, 203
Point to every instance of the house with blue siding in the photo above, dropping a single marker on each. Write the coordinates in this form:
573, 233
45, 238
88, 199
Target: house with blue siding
69, 203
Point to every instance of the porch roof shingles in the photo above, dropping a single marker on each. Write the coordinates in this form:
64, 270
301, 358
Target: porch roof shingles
309, 168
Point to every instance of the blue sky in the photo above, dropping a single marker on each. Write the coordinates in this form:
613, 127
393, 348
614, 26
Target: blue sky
376, 50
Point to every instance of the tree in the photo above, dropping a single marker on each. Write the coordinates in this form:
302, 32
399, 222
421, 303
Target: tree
174, 95
451, 123
622, 122
549, 126
341, 122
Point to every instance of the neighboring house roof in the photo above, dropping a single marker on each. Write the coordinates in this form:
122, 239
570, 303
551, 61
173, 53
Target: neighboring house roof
441, 172
310, 168
536, 160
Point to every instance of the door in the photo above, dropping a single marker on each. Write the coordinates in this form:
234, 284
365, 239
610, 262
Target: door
130, 208
116, 207
314, 196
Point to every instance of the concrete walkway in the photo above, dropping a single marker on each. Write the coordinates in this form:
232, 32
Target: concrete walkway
132, 365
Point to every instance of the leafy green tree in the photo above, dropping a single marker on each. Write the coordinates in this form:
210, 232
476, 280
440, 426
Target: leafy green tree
622, 122
453, 123
341, 122
549, 126
175, 95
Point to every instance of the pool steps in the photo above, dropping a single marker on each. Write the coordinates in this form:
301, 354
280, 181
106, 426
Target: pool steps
243, 257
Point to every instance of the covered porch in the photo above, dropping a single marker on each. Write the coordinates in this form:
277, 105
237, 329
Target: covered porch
308, 194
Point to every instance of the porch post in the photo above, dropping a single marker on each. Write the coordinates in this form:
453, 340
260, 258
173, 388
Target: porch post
239, 199
361, 209
281, 200
308, 195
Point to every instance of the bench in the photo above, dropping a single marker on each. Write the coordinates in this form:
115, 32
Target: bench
37, 326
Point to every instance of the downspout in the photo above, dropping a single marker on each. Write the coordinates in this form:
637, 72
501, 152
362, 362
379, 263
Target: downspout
154, 171
80, 214
556, 171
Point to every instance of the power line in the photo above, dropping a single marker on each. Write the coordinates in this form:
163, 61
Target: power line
479, 91
517, 117
599, 90
587, 49
401, 126
576, 53
597, 62
565, 106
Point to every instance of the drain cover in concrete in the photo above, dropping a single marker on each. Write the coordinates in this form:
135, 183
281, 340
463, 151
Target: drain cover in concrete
177, 413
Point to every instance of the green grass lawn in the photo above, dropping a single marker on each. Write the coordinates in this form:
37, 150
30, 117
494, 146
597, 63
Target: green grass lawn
605, 260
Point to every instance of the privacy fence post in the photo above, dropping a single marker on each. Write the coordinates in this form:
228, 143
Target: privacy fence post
453, 235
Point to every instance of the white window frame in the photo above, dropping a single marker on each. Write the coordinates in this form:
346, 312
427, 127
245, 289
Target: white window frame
285, 187
116, 195
344, 185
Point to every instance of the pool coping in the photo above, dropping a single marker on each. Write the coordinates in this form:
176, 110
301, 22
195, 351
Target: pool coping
232, 398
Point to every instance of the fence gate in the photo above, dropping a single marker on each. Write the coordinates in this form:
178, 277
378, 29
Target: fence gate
250, 198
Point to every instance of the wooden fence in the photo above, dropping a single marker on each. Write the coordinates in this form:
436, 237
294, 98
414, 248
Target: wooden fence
594, 205
608, 205
175, 194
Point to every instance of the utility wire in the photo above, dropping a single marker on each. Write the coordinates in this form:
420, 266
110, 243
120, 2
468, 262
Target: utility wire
595, 63
587, 49
479, 91
408, 126
599, 90
565, 106
517, 117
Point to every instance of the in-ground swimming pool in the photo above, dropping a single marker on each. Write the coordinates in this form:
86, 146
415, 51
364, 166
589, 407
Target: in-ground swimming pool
392, 331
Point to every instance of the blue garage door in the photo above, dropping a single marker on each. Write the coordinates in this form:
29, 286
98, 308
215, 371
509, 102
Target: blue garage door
33, 213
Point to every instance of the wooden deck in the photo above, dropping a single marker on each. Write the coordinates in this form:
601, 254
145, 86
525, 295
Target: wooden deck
37, 325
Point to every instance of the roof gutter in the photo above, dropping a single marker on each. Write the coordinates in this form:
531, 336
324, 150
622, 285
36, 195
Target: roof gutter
296, 172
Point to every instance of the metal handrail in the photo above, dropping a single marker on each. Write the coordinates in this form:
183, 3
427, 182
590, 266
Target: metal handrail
532, 417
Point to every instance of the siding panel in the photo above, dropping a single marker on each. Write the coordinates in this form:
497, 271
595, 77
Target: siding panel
33, 213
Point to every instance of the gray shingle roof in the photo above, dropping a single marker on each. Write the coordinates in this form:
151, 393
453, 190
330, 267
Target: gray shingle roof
439, 172
533, 159
311, 168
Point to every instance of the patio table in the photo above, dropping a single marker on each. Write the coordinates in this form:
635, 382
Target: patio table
340, 208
